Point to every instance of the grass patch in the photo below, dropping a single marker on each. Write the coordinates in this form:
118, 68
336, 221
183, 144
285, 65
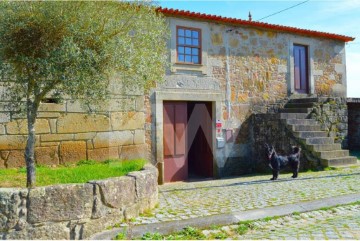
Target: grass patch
82, 172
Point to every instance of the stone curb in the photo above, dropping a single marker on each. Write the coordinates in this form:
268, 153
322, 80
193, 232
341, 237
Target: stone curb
227, 219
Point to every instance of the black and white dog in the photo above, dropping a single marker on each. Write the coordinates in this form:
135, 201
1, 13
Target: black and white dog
279, 162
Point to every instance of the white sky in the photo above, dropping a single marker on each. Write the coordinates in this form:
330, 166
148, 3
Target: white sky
340, 17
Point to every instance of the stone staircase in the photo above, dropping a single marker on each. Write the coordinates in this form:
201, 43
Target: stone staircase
309, 133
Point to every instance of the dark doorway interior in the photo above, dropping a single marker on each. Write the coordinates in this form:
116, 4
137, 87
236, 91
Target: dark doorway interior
199, 139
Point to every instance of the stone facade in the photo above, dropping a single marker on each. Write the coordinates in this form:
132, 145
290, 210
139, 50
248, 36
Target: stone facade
252, 69
67, 132
244, 71
354, 123
76, 211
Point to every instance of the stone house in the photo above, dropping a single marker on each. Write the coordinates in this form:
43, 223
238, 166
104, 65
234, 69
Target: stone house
233, 85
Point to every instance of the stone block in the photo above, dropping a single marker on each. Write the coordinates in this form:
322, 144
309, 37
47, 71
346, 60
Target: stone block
10, 204
56, 137
85, 136
146, 187
52, 107
19, 127
100, 224
340, 68
338, 90
2, 163
50, 231
76, 107
126, 104
4, 117
72, 151
48, 115
127, 120
103, 154
2, 129
139, 137
114, 138
139, 103
75, 123
117, 192
52, 123
134, 152
43, 144
60, 203
47, 155
16, 159
282, 69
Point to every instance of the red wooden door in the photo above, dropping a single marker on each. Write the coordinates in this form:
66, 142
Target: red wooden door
300, 69
175, 156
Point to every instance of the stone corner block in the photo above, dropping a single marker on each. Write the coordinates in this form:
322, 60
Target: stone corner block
117, 192
60, 203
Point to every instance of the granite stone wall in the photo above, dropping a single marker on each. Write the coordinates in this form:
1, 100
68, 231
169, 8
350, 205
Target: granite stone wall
76, 211
332, 115
354, 123
67, 132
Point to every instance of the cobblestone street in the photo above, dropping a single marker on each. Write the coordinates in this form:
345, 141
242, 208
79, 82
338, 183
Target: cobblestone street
336, 223
200, 199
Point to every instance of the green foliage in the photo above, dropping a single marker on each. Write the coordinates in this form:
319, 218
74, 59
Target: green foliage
86, 162
70, 174
74, 48
244, 227
152, 236
121, 236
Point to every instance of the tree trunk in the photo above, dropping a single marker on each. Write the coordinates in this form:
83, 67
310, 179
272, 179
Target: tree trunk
30, 144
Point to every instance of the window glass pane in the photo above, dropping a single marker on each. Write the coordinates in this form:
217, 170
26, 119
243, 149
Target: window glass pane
188, 33
195, 51
195, 42
188, 41
181, 32
181, 58
188, 58
180, 50
181, 40
187, 50
195, 34
195, 60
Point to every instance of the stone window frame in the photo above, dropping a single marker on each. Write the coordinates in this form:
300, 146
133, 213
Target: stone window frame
179, 68
199, 46
310, 61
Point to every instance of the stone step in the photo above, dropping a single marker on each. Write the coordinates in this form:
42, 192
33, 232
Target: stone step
319, 140
295, 110
341, 161
325, 147
293, 115
299, 105
295, 121
310, 134
306, 127
304, 100
333, 154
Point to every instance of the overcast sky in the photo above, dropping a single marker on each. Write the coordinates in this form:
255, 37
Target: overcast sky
340, 17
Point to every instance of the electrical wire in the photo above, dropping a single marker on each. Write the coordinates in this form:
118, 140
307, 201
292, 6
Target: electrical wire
283, 10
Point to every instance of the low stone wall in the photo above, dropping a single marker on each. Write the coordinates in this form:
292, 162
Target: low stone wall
332, 114
76, 211
354, 123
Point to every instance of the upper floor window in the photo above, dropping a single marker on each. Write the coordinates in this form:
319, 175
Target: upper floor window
188, 45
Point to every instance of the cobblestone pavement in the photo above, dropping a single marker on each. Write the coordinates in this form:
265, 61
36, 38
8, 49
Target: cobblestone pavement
336, 223
199, 199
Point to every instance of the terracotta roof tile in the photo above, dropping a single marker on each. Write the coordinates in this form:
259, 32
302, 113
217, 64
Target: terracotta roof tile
255, 24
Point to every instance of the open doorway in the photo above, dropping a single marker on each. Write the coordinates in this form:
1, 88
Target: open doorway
187, 139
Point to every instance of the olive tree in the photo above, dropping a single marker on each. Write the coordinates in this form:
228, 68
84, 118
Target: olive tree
66, 48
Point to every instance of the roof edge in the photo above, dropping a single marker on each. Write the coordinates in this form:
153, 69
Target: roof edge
255, 24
